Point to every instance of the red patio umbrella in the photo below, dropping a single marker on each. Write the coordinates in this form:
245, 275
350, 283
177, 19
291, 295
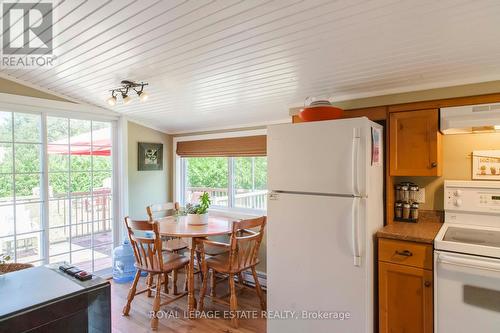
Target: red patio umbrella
82, 145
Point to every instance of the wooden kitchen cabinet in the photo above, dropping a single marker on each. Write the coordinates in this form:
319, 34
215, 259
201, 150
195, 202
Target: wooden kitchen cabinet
415, 143
405, 288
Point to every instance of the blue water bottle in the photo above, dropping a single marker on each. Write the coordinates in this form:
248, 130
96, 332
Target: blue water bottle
123, 263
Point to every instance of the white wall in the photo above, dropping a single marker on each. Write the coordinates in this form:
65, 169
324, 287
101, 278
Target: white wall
147, 187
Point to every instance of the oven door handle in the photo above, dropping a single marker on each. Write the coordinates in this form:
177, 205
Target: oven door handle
469, 263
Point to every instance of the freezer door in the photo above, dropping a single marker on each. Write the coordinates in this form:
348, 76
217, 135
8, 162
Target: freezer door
310, 265
320, 157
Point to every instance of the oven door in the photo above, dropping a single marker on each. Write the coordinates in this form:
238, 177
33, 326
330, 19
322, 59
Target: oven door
467, 293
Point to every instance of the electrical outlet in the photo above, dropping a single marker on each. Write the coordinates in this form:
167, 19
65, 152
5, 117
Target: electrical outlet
421, 195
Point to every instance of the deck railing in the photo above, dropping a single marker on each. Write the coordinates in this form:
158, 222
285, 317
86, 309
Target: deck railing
255, 200
78, 217
82, 210
86, 209
251, 199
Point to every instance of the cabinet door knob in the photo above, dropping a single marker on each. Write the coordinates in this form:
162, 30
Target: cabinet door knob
427, 284
404, 253
434, 164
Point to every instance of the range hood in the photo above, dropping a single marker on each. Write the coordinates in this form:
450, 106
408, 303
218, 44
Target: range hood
483, 118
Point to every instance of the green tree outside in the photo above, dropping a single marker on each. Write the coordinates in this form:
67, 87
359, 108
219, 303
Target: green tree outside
207, 172
25, 131
212, 172
245, 179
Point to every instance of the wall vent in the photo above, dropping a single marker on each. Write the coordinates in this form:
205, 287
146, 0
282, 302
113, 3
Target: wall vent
482, 108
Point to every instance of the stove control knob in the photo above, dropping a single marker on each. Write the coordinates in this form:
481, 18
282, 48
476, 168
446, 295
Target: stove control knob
457, 202
457, 193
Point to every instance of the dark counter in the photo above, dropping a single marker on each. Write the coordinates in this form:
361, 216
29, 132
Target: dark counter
44, 299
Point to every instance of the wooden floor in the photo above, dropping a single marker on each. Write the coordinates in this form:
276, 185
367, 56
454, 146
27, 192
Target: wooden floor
138, 320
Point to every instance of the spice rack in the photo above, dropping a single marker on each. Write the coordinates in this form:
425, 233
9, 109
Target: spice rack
406, 205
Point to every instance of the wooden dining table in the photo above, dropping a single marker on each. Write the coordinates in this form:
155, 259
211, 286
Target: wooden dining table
178, 227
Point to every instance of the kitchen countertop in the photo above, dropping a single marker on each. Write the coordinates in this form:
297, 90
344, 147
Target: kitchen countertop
44, 299
31, 288
424, 231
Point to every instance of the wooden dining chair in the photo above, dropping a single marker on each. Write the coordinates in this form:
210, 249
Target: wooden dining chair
170, 244
147, 245
155, 211
243, 255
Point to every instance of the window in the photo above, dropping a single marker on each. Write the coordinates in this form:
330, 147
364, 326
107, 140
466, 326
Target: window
21, 200
250, 182
80, 192
232, 182
56, 190
207, 174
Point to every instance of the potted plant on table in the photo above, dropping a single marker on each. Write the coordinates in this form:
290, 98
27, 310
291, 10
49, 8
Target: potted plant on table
198, 214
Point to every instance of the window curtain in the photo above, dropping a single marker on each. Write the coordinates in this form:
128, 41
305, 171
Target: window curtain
226, 147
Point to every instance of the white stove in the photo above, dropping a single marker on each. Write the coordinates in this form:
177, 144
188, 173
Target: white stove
467, 259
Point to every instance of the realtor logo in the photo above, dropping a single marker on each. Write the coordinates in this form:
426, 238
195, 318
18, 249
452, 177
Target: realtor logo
27, 39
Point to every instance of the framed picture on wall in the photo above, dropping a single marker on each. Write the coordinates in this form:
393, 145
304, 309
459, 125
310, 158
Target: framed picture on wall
486, 164
150, 156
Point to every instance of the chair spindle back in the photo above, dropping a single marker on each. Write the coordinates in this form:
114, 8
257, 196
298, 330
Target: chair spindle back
245, 243
161, 210
146, 242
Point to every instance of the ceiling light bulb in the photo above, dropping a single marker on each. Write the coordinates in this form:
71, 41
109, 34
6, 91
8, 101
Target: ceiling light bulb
126, 99
143, 96
112, 101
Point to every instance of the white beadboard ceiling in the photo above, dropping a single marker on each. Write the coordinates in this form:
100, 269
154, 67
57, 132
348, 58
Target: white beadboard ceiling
230, 63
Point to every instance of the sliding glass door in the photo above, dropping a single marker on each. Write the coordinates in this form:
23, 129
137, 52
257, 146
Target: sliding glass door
56, 197
21, 202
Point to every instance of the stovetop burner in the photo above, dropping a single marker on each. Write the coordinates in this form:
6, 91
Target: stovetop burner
472, 236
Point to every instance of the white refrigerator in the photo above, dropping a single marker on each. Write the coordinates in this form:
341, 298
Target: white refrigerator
324, 207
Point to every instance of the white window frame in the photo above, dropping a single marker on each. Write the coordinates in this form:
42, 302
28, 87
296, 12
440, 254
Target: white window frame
46, 108
178, 170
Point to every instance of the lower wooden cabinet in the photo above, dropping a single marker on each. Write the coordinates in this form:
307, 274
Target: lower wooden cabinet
405, 295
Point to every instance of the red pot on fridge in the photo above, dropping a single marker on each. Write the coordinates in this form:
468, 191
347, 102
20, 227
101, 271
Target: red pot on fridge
320, 110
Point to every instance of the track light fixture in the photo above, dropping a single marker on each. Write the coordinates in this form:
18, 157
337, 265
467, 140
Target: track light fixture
124, 90
112, 99
143, 96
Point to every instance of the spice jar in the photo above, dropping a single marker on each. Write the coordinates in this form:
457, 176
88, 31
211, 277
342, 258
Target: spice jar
405, 193
414, 211
406, 211
398, 210
398, 193
413, 192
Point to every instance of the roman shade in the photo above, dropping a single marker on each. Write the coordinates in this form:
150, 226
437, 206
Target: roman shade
226, 147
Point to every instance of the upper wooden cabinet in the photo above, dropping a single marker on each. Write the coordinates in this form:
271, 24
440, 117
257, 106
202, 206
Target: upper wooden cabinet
415, 143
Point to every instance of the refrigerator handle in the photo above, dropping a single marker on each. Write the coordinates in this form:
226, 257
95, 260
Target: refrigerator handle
356, 251
355, 152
